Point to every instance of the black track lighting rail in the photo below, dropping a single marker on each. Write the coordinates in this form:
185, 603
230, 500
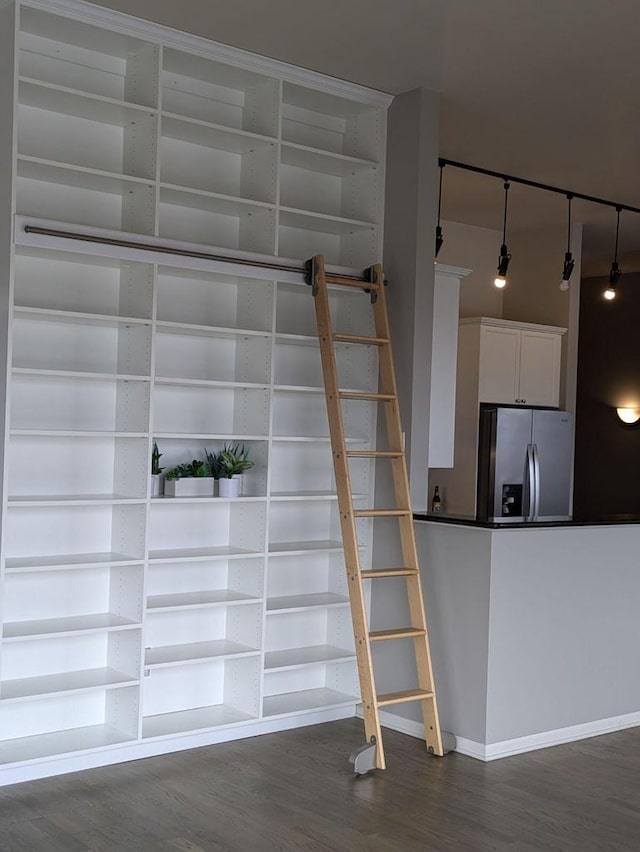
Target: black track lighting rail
537, 185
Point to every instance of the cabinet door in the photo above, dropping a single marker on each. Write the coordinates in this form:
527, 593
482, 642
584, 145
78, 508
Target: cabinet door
499, 365
540, 368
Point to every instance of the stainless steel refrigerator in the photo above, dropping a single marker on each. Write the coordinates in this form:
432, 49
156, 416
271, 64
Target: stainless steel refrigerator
524, 464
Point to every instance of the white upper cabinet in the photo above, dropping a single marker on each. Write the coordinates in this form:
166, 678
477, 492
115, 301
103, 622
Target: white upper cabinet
518, 363
499, 365
540, 356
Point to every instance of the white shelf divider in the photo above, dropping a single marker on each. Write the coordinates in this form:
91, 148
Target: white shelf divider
295, 658
17, 564
299, 547
189, 554
192, 721
295, 603
174, 655
196, 600
106, 621
306, 701
88, 738
67, 682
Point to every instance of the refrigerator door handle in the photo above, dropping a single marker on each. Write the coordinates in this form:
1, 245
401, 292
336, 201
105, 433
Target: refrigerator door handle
537, 484
531, 483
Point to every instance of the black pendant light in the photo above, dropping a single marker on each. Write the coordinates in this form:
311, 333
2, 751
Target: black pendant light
569, 262
505, 257
615, 272
439, 237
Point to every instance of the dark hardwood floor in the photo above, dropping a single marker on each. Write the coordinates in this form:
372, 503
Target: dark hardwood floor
294, 791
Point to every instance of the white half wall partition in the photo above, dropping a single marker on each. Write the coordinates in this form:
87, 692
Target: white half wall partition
534, 633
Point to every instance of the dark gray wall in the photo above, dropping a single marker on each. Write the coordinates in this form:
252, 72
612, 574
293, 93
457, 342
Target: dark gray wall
607, 458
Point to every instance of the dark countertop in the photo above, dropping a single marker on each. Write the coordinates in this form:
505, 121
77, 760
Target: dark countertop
610, 520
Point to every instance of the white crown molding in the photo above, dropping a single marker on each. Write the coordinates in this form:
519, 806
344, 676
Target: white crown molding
497, 322
452, 271
89, 13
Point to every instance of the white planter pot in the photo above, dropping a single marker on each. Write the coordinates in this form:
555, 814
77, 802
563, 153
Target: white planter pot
189, 487
229, 487
156, 484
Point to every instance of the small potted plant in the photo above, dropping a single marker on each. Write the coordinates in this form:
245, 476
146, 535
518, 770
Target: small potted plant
215, 468
156, 470
189, 480
233, 460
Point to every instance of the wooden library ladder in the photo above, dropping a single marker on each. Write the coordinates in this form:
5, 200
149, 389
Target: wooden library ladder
371, 755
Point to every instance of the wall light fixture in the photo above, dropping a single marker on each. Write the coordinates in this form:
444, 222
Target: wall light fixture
628, 414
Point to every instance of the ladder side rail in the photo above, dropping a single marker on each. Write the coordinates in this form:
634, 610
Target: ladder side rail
407, 533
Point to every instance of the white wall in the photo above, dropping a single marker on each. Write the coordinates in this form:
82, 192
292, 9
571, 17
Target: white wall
533, 291
410, 202
412, 157
476, 249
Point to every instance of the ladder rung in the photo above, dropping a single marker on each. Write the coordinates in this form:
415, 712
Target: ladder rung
403, 633
374, 454
402, 697
345, 281
388, 572
381, 397
361, 338
381, 513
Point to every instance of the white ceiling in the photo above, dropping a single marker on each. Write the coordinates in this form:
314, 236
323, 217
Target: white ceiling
544, 89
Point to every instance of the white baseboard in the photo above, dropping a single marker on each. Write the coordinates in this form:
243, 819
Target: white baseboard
519, 745
399, 723
74, 762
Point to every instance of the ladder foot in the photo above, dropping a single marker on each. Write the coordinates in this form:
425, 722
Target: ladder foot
363, 759
448, 743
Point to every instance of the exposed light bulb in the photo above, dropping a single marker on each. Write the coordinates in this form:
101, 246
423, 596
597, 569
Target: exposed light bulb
609, 294
500, 282
564, 285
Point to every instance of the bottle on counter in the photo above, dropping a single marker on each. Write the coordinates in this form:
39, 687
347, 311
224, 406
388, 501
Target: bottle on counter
436, 503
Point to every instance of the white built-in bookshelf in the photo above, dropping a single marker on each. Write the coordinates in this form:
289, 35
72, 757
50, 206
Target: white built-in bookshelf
129, 134
131, 624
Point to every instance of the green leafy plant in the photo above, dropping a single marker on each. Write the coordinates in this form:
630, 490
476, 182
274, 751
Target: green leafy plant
215, 466
194, 470
234, 460
156, 455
